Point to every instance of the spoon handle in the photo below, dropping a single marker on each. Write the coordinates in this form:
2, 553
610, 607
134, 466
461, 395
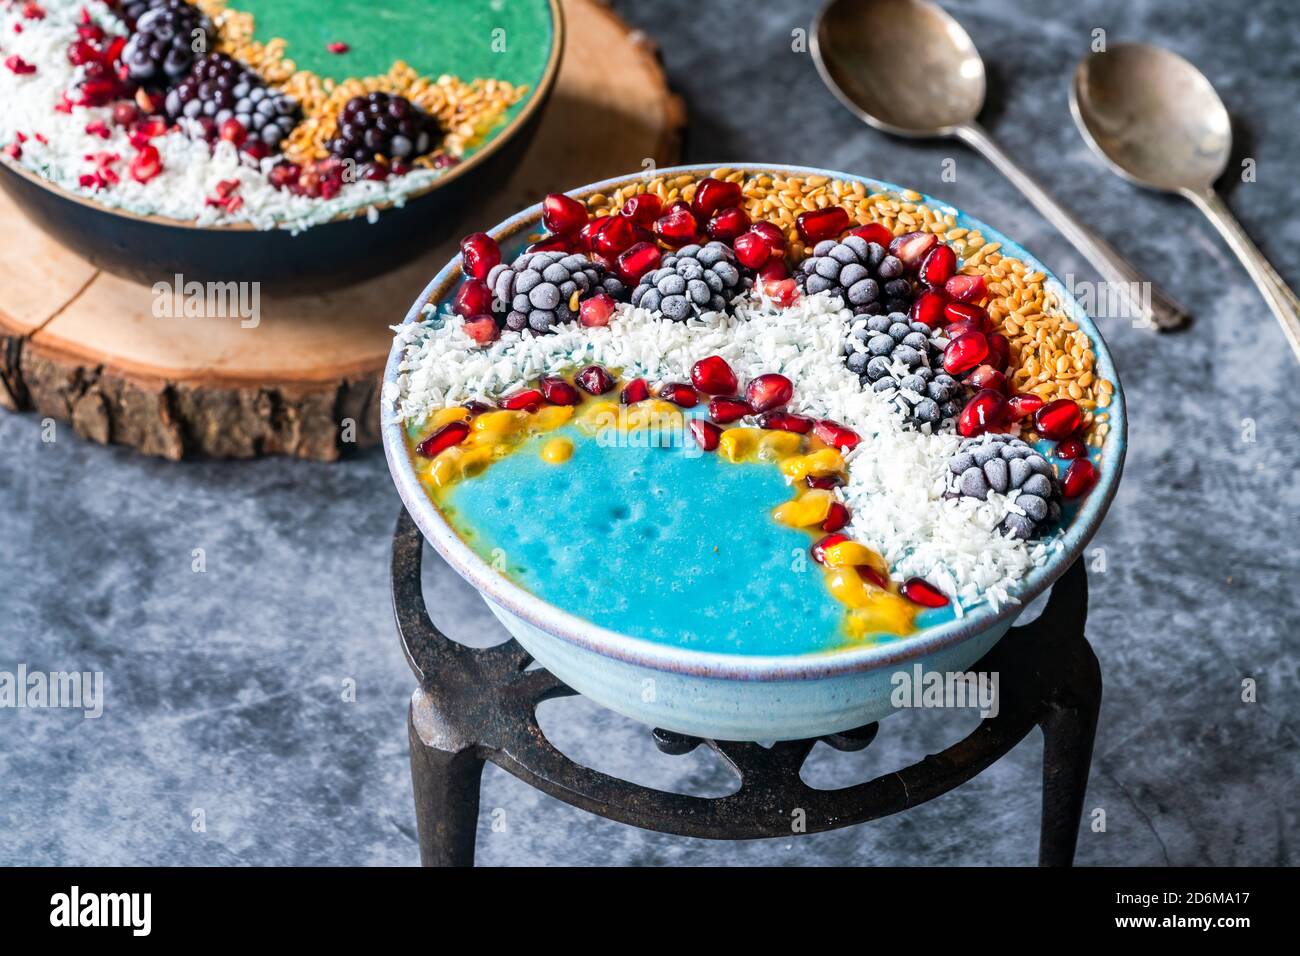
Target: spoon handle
1146, 303
1276, 293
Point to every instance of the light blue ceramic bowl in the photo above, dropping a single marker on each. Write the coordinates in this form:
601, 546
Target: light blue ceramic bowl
732, 696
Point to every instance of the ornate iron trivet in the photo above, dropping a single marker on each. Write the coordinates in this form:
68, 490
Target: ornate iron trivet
475, 705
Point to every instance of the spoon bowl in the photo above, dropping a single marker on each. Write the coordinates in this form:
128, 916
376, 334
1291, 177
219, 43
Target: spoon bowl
1153, 116
904, 66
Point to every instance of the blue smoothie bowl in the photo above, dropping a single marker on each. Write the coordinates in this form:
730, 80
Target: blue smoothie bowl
727, 696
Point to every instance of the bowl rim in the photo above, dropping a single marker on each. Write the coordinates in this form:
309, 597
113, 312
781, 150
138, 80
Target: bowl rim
571, 628
537, 98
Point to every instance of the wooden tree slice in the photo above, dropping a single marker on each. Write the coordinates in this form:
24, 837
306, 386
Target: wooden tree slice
85, 347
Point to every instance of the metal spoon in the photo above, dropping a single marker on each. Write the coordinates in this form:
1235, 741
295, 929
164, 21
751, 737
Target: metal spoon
1158, 122
906, 67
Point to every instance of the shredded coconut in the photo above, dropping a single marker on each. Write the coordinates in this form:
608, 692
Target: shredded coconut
896, 475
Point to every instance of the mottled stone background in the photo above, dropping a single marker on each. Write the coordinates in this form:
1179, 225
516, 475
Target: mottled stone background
225, 688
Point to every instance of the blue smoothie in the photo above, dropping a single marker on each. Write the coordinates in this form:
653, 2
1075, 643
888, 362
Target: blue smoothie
662, 543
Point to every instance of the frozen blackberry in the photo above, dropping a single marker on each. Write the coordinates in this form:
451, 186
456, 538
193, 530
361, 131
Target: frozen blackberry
891, 353
219, 89
384, 125
162, 47
541, 289
692, 280
1009, 466
863, 274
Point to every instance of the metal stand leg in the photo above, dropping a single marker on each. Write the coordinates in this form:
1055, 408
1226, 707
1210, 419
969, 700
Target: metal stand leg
1068, 733
446, 782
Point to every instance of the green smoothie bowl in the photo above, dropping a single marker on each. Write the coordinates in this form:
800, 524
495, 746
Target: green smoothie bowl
298, 143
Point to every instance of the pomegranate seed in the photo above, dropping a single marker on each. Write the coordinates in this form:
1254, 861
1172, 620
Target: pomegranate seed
920, 591
594, 380
338, 46
587, 234
911, 248
615, 235
475, 407
17, 64
836, 435
643, 209
679, 393
552, 244
595, 312
775, 271
635, 391
563, 214
1069, 448
965, 312
837, 518
872, 576
999, 351
482, 329
772, 233
636, 260
15, 152
706, 434
450, 434
526, 399
1022, 406
472, 298
928, 308
957, 329
124, 114
818, 550
986, 376
227, 187
965, 352
966, 288
479, 252
768, 392
284, 174
677, 227
823, 482
938, 266
1058, 419
712, 195
559, 392
80, 53
146, 165
713, 376
785, 422
782, 292
232, 131
1079, 477
98, 128
727, 410
986, 411
752, 249
873, 232
818, 224
727, 224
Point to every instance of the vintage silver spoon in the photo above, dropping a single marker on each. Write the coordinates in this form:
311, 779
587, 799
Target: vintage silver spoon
1159, 123
908, 68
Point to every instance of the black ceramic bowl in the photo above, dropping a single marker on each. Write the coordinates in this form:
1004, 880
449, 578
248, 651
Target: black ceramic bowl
347, 249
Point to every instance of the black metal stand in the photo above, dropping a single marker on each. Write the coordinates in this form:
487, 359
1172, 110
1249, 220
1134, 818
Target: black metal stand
475, 705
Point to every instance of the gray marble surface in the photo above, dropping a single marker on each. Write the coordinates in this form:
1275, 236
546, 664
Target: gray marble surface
226, 688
